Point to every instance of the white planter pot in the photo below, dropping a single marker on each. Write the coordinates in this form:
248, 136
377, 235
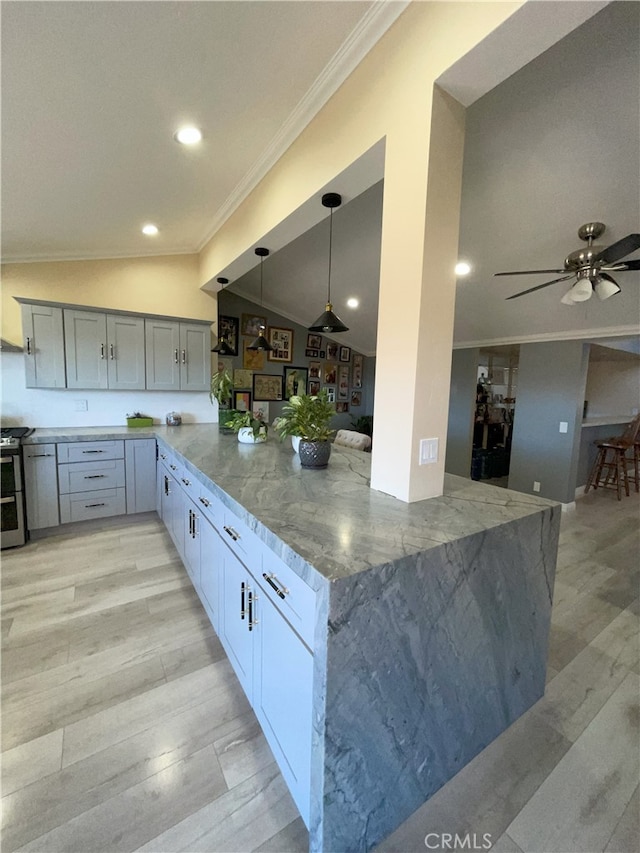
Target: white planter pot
246, 436
295, 442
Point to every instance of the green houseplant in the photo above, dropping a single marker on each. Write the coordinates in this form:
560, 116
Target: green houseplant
250, 430
309, 417
222, 392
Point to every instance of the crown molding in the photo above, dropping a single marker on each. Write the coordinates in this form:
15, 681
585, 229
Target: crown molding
370, 29
568, 335
55, 258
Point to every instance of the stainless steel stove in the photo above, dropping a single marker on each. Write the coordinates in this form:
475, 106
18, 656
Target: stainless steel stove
12, 504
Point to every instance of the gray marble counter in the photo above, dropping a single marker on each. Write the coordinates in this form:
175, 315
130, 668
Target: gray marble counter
331, 518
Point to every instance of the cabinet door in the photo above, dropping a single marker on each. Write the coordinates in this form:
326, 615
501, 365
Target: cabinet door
238, 592
162, 346
140, 458
192, 529
211, 550
85, 337
43, 346
41, 486
283, 699
195, 357
125, 344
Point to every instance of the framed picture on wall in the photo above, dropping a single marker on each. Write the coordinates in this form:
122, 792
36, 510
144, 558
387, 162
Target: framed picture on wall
242, 401
332, 351
323, 353
345, 353
356, 398
331, 393
314, 387
357, 371
251, 324
343, 382
295, 381
261, 411
314, 370
282, 342
242, 378
330, 376
341, 408
267, 387
252, 359
228, 329
312, 353
314, 341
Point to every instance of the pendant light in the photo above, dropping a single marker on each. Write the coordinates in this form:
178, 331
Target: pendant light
328, 322
222, 347
261, 343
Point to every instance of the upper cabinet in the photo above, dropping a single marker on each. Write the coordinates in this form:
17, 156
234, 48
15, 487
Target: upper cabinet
70, 346
178, 356
43, 346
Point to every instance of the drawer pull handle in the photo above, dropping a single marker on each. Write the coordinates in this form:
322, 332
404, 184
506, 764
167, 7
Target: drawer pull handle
271, 580
184, 356
173, 467
29, 346
166, 485
163, 456
252, 597
186, 482
204, 501
101, 350
232, 533
194, 535
93, 451
88, 506
190, 524
39, 455
94, 476
242, 591
175, 356
111, 353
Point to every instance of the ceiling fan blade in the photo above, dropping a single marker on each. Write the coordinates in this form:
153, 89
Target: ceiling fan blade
620, 249
529, 272
540, 286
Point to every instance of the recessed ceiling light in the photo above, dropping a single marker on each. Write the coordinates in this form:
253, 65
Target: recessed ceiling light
150, 230
463, 268
188, 135
353, 302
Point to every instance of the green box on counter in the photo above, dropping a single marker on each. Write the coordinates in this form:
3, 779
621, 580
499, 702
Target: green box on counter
139, 422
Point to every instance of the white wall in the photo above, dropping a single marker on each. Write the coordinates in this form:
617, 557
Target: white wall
613, 388
56, 408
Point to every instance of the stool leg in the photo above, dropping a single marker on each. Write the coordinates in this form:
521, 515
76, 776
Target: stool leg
596, 470
623, 462
636, 466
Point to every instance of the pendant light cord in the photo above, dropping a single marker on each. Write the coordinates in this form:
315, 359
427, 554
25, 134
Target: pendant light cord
330, 242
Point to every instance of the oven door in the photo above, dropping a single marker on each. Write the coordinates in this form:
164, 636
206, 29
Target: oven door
12, 528
10, 479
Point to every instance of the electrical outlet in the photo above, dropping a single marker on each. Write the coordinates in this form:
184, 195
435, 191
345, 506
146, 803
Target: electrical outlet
81, 405
536, 486
428, 451
564, 426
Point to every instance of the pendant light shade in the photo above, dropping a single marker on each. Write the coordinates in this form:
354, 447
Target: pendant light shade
222, 347
328, 322
261, 343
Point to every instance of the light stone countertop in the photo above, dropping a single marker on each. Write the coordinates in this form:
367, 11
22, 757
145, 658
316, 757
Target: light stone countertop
607, 420
330, 518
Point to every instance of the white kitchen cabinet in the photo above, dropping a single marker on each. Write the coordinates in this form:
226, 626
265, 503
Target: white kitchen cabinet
211, 551
41, 486
43, 334
238, 611
140, 455
104, 350
178, 356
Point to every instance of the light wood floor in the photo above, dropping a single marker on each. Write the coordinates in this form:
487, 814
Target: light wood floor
124, 727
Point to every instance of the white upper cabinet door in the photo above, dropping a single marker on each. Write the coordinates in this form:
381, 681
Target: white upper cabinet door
163, 355
125, 352
43, 346
195, 357
85, 335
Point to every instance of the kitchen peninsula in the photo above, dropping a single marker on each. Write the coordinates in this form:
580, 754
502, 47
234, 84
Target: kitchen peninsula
427, 623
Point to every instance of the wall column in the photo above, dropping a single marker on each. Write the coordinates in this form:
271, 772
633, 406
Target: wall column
464, 381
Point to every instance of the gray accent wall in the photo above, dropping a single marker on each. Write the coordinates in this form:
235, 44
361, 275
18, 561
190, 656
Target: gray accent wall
552, 379
464, 373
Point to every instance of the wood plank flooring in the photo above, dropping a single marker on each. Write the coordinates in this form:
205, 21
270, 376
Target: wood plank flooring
125, 729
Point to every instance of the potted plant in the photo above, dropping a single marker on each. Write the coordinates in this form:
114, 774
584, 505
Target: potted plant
250, 430
222, 392
309, 417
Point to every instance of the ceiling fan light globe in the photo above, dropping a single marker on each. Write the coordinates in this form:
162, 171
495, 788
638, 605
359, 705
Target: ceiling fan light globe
568, 299
604, 288
582, 290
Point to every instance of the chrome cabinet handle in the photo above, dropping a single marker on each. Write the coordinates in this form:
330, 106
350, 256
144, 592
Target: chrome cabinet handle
101, 350
173, 467
38, 455
184, 356
232, 533
88, 506
190, 523
163, 456
10, 500
242, 592
186, 482
175, 355
166, 485
94, 476
29, 346
204, 501
252, 598
93, 451
195, 526
271, 580
111, 354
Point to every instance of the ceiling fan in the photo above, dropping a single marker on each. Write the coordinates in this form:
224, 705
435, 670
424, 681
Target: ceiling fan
589, 266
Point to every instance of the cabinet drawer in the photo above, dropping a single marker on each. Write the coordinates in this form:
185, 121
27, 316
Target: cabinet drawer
90, 476
211, 508
294, 599
85, 505
242, 541
85, 451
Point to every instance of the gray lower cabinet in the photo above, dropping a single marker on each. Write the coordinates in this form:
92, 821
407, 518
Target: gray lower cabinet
178, 356
104, 350
140, 456
91, 480
41, 486
43, 333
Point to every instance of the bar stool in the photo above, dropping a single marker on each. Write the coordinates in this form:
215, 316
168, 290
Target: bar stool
612, 461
